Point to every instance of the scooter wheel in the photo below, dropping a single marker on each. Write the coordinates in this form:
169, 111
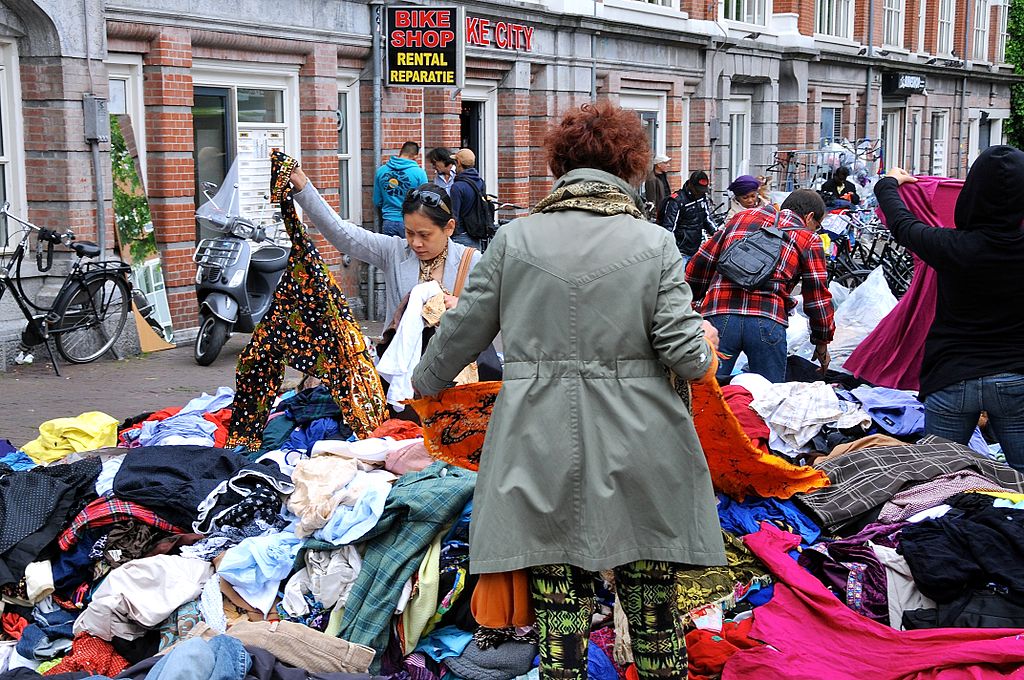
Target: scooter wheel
213, 333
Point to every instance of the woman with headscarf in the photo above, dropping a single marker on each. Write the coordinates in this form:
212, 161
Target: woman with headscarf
591, 460
974, 353
746, 195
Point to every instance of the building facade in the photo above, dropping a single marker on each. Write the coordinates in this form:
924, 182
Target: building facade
731, 86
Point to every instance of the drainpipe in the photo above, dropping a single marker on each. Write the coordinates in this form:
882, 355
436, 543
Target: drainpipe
871, 69
963, 91
376, 20
94, 144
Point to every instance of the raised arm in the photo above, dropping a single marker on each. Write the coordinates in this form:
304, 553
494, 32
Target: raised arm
934, 245
362, 244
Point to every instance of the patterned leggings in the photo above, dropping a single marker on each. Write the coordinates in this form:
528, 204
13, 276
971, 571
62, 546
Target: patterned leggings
563, 596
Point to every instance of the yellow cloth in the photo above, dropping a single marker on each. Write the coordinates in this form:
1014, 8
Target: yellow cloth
1007, 495
63, 436
423, 603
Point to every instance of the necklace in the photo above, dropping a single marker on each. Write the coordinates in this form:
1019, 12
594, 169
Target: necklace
428, 267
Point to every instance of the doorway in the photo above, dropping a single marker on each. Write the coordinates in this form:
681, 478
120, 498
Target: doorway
471, 133
212, 117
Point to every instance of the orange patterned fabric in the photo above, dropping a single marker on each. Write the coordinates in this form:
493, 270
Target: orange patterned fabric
455, 422
738, 468
503, 600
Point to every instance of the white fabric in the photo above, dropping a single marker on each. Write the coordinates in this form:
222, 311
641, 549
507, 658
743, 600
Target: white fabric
930, 513
367, 450
318, 482
900, 588
38, 581
403, 354
285, 460
327, 576
105, 482
795, 412
140, 594
211, 604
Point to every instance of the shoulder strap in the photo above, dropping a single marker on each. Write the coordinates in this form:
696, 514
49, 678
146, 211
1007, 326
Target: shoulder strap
460, 279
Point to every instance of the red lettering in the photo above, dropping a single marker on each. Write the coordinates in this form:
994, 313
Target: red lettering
528, 33
423, 18
501, 34
403, 18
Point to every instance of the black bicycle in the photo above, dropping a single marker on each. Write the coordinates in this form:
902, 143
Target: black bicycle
90, 310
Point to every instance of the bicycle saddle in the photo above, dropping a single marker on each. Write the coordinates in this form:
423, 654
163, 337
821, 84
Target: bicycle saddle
85, 249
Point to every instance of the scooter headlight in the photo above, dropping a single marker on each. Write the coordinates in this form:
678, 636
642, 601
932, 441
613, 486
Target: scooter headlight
243, 229
199, 275
236, 279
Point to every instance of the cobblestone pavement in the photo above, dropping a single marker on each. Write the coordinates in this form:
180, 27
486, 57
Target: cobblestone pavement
32, 394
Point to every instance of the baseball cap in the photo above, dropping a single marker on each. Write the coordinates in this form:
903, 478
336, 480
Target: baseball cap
661, 158
699, 178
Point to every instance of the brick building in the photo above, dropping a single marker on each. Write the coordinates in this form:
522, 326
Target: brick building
722, 86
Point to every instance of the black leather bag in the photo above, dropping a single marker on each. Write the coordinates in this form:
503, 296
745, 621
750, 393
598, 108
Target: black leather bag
751, 261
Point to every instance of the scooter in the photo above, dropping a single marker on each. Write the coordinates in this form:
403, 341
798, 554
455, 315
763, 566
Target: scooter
237, 272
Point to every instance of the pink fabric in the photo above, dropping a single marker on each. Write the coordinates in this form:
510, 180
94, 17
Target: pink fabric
813, 635
891, 355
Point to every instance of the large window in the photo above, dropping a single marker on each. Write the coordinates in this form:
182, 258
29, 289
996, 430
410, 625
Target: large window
892, 22
980, 33
945, 35
11, 188
739, 137
349, 177
1001, 38
831, 123
747, 11
940, 134
834, 17
125, 96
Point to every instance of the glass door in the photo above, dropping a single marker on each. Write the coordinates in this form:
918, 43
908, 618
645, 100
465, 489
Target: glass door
212, 124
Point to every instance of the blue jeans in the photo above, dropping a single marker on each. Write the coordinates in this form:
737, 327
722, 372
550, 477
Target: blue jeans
762, 340
220, 658
393, 228
953, 412
465, 239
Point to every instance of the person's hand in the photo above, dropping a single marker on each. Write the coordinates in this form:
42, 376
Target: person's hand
450, 301
901, 176
710, 334
299, 178
822, 356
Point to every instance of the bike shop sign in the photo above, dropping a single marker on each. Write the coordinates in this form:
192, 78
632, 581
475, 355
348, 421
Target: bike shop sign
426, 46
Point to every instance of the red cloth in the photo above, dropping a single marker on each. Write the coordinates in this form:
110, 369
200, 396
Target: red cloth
802, 259
891, 355
739, 400
707, 651
156, 416
398, 430
221, 418
13, 625
809, 633
92, 655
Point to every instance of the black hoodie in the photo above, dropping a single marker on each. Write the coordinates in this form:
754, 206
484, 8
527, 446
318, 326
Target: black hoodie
979, 309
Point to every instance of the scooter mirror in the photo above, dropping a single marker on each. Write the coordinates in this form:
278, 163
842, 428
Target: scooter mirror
209, 186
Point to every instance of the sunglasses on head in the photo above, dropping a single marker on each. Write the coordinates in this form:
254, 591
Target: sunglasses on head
431, 199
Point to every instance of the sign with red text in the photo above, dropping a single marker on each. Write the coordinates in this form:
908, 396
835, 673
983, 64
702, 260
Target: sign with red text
425, 46
504, 35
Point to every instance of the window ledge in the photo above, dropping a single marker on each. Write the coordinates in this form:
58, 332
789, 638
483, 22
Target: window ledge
647, 7
840, 41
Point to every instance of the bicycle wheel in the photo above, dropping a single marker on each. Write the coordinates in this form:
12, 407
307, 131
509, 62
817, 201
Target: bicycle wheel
853, 279
90, 317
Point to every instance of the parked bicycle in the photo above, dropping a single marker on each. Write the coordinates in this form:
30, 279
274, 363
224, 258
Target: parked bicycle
499, 221
90, 310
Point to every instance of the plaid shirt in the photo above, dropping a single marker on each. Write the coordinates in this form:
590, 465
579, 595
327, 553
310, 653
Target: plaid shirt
107, 510
803, 260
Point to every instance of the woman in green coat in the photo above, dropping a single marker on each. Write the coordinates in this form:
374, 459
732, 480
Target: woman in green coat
591, 460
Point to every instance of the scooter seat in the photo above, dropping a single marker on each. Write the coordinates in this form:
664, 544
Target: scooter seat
269, 259
85, 249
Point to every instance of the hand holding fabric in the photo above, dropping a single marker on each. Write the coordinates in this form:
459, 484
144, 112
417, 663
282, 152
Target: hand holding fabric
901, 175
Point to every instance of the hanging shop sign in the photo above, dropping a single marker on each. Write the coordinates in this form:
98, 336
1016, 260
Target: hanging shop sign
504, 35
902, 83
426, 46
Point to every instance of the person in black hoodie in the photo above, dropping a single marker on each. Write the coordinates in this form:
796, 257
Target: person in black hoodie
974, 352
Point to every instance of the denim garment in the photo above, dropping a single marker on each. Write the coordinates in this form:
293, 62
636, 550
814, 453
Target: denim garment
953, 412
460, 236
221, 658
256, 566
761, 339
393, 228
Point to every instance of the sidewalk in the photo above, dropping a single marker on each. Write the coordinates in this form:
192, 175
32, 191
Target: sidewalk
32, 394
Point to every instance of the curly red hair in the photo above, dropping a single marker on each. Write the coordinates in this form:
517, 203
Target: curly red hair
602, 136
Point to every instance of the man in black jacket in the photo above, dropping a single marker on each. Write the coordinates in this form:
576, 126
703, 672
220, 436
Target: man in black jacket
463, 195
688, 213
839, 192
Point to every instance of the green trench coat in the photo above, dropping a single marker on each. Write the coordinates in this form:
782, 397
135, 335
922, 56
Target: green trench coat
590, 458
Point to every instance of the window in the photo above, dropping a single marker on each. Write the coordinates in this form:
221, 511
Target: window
892, 139
349, 177
747, 11
662, 3
831, 124
739, 140
939, 137
892, 22
980, 34
125, 96
922, 23
1002, 36
11, 188
833, 17
945, 35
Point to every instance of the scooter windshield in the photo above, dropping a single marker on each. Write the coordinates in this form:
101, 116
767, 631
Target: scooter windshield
225, 204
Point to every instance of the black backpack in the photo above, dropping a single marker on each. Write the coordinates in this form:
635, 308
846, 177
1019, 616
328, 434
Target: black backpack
478, 219
750, 261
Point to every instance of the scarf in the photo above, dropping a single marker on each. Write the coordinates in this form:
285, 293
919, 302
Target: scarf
600, 198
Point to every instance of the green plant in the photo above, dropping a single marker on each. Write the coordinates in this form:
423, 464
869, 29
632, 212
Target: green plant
131, 209
1015, 56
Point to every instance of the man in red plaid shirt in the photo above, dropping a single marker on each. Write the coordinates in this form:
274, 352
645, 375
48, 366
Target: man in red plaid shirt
754, 322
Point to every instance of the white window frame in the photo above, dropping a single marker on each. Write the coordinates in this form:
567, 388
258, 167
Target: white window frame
684, 150
128, 68
939, 167
944, 37
1003, 36
841, 109
922, 22
834, 18
979, 34
751, 12
13, 158
348, 82
893, 18
648, 102
894, 158
486, 91
739, 158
